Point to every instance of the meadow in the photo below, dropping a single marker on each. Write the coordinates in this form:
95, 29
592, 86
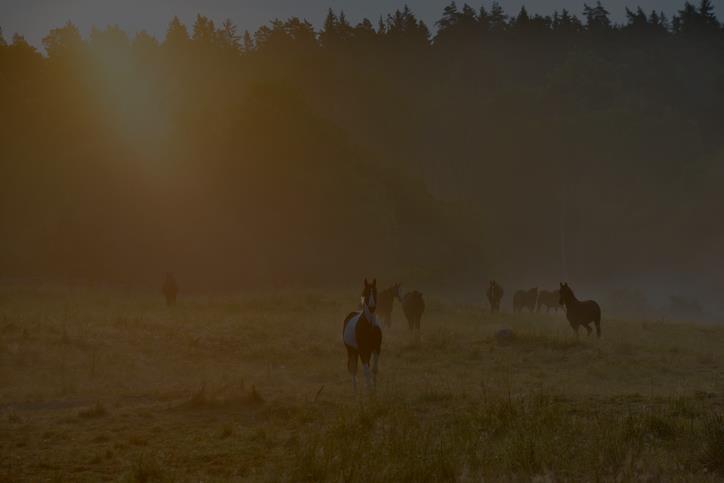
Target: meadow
109, 384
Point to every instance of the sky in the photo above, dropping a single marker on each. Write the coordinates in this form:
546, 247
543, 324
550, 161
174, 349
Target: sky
34, 18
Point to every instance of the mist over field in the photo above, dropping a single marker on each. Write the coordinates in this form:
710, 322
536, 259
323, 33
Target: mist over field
520, 147
334, 251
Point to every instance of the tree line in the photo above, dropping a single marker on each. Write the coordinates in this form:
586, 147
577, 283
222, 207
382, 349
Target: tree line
293, 154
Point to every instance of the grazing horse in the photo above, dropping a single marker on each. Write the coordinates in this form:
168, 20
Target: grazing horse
170, 289
548, 299
495, 295
362, 336
413, 306
525, 299
580, 313
386, 302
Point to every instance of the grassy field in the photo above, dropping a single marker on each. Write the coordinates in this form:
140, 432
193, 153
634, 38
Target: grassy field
112, 385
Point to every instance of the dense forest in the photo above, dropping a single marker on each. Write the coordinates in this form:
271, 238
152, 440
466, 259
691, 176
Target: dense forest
493, 144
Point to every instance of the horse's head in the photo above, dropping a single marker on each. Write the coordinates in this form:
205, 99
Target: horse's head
369, 295
565, 294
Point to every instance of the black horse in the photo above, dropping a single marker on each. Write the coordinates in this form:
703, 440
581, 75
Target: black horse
362, 336
549, 300
495, 295
386, 303
525, 299
413, 305
580, 313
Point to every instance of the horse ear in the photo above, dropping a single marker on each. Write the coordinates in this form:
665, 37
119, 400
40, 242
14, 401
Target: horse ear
561, 284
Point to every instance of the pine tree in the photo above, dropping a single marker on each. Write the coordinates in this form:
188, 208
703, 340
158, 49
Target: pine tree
449, 18
329, 36
498, 18
204, 31
247, 42
597, 18
177, 36
706, 14
63, 41
228, 35
522, 21
483, 20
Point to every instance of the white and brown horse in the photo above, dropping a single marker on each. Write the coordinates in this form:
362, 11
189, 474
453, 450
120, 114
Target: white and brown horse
362, 336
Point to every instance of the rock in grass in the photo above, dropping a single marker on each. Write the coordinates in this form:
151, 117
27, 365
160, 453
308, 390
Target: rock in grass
504, 336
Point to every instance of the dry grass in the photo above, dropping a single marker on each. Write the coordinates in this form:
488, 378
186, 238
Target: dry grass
105, 385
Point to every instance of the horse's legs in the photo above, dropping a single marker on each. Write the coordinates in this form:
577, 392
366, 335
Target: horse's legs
375, 366
588, 329
352, 365
365, 357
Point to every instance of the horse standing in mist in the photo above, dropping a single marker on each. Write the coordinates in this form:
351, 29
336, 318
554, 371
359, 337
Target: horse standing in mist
413, 306
170, 289
525, 299
551, 300
580, 313
386, 302
495, 295
362, 336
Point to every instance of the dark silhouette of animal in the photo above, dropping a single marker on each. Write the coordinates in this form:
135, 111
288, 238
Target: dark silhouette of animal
495, 295
413, 306
362, 336
551, 300
170, 289
580, 313
525, 299
386, 302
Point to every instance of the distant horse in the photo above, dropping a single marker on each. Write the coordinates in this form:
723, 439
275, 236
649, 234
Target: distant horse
362, 336
580, 313
386, 302
548, 299
495, 295
413, 306
170, 289
525, 299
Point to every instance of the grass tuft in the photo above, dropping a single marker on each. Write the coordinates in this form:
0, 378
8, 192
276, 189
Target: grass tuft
713, 453
97, 411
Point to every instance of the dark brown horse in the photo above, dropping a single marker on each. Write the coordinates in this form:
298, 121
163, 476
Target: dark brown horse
386, 303
580, 313
525, 299
413, 306
170, 289
549, 300
362, 336
495, 295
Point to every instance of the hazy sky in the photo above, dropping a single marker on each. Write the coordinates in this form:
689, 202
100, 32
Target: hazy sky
33, 18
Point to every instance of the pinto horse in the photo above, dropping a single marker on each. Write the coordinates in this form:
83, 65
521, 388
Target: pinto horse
362, 336
580, 313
